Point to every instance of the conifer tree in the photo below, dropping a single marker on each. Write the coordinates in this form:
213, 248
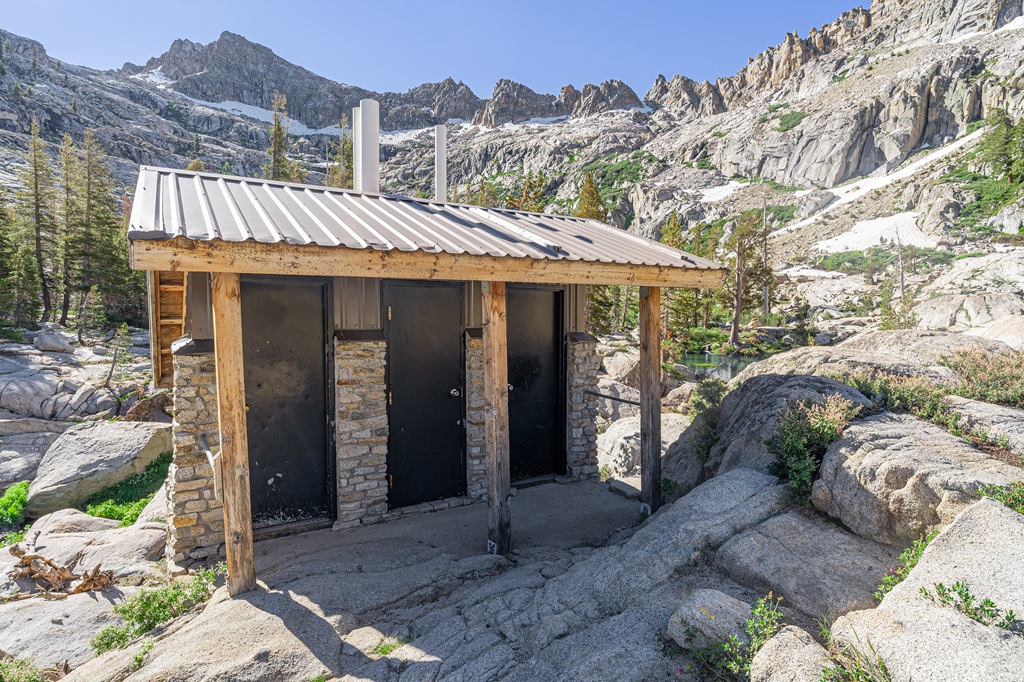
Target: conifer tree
339, 166
281, 167
590, 204
750, 275
531, 195
996, 148
1017, 151
196, 148
604, 303
34, 205
70, 216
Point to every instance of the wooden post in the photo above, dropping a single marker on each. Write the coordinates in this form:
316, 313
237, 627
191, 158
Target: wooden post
499, 513
234, 443
650, 400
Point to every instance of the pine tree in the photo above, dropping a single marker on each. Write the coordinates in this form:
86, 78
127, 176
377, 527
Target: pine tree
996, 148
1017, 151
602, 300
749, 273
34, 204
196, 148
71, 220
531, 196
339, 166
281, 167
590, 205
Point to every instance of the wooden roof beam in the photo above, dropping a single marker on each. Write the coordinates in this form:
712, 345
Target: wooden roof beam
183, 254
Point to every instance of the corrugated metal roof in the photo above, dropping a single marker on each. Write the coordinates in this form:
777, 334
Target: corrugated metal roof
206, 206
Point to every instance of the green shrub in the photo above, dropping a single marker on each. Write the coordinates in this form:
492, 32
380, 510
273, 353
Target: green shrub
730, 658
149, 608
791, 120
12, 507
124, 501
705, 164
907, 560
989, 377
1011, 495
604, 474
959, 597
707, 396
805, 431
20, 670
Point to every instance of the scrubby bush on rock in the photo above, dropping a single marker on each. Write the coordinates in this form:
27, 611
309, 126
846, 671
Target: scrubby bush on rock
147, 609
806, 430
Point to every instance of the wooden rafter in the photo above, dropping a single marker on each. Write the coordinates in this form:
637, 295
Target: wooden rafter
182, 254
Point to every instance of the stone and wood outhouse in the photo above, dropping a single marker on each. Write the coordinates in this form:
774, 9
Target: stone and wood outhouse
357, 356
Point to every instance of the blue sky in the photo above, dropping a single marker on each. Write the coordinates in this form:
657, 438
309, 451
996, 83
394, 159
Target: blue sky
397, 44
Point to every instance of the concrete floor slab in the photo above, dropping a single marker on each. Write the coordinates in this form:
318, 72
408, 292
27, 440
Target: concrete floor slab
551, 516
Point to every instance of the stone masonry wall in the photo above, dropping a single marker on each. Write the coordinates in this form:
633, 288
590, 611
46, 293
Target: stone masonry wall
581, 450
476, 458
362, 432
196, 521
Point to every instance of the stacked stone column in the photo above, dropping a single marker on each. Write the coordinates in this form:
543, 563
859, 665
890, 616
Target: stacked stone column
581, 441
361, 432
195, 528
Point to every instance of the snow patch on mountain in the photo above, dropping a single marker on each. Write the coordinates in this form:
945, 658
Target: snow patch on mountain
901, 227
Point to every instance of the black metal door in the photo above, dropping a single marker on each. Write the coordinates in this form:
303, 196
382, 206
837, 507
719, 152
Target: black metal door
423, 324
285, 344
535, 375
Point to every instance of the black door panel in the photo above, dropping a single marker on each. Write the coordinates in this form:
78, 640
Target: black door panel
423, 323
535, 373
285, 342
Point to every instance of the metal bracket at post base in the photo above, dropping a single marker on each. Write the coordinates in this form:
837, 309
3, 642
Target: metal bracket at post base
645, 509
215, 464
492, 546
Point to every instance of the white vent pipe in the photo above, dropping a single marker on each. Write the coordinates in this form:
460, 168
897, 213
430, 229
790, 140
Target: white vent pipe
441, 163
367, 165
357, 152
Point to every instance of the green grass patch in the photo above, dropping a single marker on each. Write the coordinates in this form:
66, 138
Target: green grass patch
975, 126
782, 214
389, 644
992, 195
20, 670
791, 120
614, 172
149, 608
124, 501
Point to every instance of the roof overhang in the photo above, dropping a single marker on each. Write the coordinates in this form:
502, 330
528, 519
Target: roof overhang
249, 257
205, 222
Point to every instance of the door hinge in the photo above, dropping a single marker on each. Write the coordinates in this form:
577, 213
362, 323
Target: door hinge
389, 312
389, 398
391, 482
